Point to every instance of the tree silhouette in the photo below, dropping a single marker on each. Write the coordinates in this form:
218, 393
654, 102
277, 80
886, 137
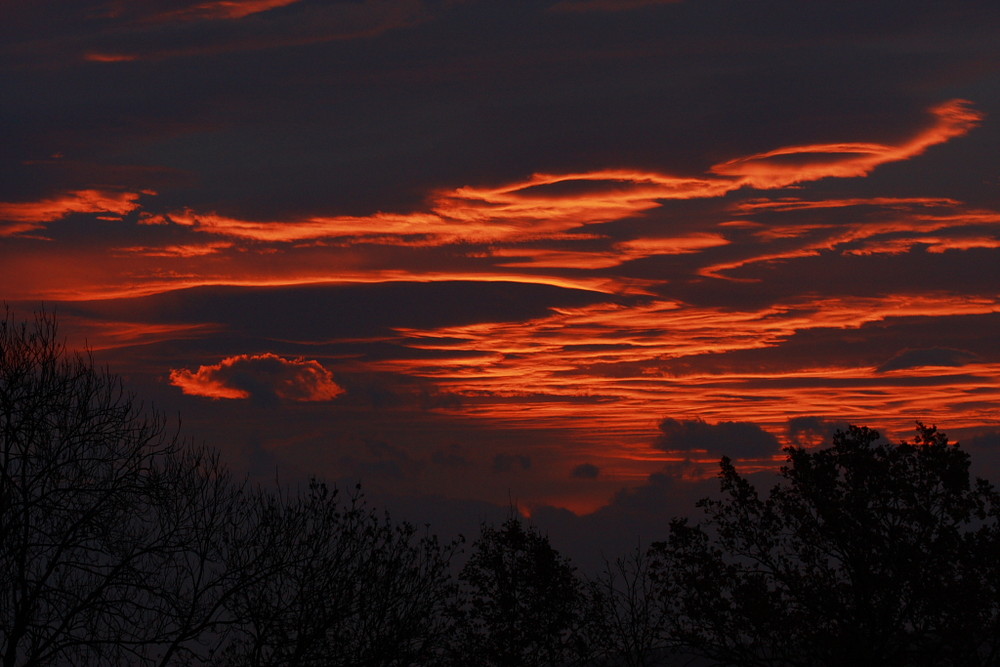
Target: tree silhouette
865, 553
627, 620
523, 603
109, 528
339, 585
121, 545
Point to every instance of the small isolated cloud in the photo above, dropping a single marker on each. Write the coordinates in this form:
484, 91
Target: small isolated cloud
586, 471
263, 377
510, 462
813, 431
931, 356
734, 439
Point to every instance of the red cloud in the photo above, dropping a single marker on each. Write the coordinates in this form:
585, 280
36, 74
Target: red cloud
546, 206
224, 9
266, 377
795, 164
99, 57
31, 215
519, 211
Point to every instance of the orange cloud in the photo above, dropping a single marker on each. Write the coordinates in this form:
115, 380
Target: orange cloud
185, 250
796, 204
509, 222
33, 215
114, 335
934, 244
677, 245
610, 366
545, 206
224, 9
794, 164
556, 259
620, 253
889, 226
521, 211
266, 377
378, 225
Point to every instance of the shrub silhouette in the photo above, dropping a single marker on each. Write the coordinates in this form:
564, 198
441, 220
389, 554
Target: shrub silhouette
865, 553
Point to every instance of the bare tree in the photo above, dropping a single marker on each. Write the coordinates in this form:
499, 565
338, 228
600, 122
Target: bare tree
339, 585
121, 545
112, 534
628, 619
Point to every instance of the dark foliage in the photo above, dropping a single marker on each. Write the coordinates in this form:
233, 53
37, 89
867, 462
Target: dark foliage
522, 602
121, 545
108, 526
339, 585
627, 620
866, 553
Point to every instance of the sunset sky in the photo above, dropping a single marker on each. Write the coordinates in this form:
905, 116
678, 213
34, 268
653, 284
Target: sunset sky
559, 253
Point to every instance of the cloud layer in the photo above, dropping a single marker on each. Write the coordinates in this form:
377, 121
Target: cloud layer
568, 251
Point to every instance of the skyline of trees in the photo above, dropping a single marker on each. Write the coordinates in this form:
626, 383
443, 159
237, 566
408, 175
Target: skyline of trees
865, 552
123, 544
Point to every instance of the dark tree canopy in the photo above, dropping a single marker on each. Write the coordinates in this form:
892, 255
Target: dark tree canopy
339, 585
866, 553
627, 620
523, 603
121, 545
87, 493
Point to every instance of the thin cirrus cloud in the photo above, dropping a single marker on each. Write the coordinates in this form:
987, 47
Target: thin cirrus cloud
222, 9
535, 208
794, 164
612, 365
263, 377
519, 211
456, 254
910, 359
544, 206
21, 217
876, 226
224, 26
614, 361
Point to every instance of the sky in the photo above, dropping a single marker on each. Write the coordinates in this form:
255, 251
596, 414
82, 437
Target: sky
563, 254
